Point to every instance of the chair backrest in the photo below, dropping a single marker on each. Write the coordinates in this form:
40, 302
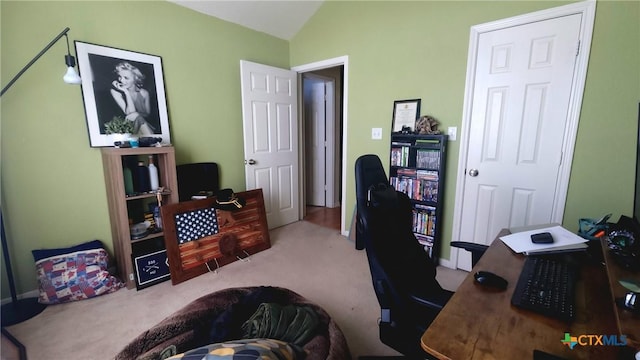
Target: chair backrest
403, 275
369, 171
196, 177
394, 253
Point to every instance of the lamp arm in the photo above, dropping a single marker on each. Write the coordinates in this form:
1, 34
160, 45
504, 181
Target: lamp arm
7, 260
46, 48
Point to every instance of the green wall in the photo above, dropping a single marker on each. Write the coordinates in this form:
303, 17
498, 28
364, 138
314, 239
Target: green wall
52, 182
406, 50
53, 191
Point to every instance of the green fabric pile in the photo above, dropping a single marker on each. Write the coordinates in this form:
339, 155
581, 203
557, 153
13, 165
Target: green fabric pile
291, 323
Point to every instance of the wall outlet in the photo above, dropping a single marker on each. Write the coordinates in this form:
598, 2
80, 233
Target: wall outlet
376, 133
452, 131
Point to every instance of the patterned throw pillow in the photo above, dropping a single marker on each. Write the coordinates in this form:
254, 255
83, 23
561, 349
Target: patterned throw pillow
245, 349
75, 276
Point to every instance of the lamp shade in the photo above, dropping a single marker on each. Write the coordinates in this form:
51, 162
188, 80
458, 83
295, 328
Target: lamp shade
71, 77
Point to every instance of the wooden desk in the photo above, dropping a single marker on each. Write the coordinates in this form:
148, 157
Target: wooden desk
628, 322
478, 323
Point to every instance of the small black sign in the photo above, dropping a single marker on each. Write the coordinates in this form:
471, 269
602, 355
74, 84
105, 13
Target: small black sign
151, 269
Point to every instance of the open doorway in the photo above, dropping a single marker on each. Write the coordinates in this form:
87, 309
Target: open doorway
322, 150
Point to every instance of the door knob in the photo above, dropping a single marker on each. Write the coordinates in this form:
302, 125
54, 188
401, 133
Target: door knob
250, 162
473, 172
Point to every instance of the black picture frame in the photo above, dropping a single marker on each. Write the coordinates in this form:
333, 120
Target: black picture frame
99, 68
151, 268
405, 114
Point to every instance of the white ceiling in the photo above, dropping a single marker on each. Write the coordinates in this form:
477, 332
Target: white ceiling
282, 19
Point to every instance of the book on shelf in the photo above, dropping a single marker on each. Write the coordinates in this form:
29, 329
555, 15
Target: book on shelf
427, 175
427, 243
427, 141
405, 156
407, 185
396, 156
403, 184
400, 156
429, 191
424, 240
400, 143
424, 220
429, 159
407, 172
415, 188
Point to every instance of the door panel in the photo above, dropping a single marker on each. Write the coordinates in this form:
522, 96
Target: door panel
269, 110
315, 139
523, 83
285, 200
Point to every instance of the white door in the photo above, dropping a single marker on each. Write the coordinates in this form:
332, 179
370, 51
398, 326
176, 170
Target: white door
518, 122
270, 124
322, 137
315, 140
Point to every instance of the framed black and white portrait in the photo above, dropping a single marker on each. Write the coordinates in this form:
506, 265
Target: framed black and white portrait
119, 83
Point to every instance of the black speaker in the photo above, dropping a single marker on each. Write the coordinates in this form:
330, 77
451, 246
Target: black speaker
196, 177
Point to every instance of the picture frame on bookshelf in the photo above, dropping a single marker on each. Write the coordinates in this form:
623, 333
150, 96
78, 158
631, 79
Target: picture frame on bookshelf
405, 114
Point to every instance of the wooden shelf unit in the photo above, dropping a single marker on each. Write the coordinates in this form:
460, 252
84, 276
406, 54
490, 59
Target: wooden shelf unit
112, 161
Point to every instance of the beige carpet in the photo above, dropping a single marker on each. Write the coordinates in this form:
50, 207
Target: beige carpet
316, 262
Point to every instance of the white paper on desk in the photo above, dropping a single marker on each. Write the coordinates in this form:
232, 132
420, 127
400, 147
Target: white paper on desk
558, 249
563, 239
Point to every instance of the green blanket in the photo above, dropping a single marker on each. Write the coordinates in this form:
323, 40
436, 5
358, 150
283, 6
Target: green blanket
291, 323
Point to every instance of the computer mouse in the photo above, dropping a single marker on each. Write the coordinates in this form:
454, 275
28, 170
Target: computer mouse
490, 279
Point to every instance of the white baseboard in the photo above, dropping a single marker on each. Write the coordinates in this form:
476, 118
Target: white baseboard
28, 294
447, 263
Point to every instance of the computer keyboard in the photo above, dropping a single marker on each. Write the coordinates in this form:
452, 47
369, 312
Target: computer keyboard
546, 286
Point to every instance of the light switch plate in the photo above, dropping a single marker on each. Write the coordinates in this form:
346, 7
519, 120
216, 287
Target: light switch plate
376, 133
452, 131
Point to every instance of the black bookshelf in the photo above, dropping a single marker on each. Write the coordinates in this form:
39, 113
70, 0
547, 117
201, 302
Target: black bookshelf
417, 168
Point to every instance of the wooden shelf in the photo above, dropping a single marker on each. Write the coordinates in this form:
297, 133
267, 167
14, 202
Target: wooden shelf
148, 237
146, 196
112, 161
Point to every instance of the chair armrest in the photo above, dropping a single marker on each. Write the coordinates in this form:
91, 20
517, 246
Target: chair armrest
473, 247
476, 250
433, 299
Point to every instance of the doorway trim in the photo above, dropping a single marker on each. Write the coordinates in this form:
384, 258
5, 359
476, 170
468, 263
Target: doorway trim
323, 64
587, 9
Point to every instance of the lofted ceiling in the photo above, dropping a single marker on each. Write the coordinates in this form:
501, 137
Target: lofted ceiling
282, 19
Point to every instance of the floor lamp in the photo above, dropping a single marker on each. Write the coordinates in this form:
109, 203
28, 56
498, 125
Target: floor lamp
17, 310
20, 310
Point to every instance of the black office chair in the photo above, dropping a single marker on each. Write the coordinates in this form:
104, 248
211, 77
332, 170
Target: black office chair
403, 275
369, 171
196, 177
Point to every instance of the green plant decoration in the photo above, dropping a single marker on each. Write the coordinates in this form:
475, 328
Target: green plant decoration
118, 125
